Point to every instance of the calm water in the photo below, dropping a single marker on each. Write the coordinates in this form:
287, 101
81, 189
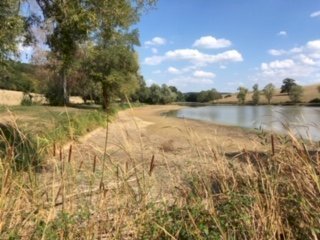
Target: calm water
304, 121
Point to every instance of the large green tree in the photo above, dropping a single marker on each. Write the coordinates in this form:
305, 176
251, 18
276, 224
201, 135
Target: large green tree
77, 21
116, 69
11, 28
287, 84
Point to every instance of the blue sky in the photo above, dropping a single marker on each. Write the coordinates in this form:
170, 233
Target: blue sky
203, 44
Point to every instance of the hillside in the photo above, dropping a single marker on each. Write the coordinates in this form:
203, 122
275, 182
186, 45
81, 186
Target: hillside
310, 92
19, 77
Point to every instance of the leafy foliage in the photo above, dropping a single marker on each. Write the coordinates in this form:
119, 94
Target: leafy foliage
116, 69
242, 94
11, 27
208, 96
295, 93
269, 91
256, 94
20, 77
288, 83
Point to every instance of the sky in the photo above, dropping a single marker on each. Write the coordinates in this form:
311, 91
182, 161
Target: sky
223, 44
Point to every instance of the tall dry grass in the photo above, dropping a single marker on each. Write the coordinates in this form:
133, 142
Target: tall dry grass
142, 194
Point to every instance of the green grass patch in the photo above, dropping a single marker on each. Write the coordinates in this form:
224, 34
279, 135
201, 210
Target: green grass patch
32, 129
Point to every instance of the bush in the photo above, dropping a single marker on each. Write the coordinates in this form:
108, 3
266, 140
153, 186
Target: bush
315, 100
54, 93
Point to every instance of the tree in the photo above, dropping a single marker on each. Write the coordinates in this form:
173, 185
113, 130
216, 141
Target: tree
296, 93
142, 93
269, 91
180, 96
77, 21
242, 94
319, 88
155, 94
256, 94
116, 68
288, 83
167, 96
11, 28
208, 96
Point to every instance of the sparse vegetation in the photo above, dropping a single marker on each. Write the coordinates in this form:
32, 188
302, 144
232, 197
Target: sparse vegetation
256, 94
295, 93
242, 94
217, 195
269, 91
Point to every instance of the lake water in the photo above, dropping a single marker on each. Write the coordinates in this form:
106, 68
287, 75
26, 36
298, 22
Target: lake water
303, 121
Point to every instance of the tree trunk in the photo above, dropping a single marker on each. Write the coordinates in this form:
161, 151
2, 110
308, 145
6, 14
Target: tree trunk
65, 91
106, 99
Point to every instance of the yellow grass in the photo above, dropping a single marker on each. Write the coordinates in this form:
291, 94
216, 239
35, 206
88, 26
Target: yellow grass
147, 177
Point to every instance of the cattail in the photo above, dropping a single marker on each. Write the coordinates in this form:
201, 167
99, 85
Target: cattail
94, 163
60, 154
70, 153
54, 149
272, 145
152, 165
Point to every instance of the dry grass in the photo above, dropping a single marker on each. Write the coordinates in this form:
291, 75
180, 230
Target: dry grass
310, 93
125, 186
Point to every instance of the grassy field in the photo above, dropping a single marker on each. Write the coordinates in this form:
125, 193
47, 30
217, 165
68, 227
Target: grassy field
310, 93
136, 189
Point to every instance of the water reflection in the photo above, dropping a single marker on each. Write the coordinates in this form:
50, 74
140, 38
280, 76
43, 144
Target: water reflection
302, 121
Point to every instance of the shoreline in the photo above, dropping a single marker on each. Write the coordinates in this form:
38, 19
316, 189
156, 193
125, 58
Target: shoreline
226, 137
197, 104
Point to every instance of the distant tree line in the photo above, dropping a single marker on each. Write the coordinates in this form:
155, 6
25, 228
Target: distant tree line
19, 77
289, 86
203, 96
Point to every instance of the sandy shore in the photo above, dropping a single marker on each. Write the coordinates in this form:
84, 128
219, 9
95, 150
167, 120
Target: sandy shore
147, 131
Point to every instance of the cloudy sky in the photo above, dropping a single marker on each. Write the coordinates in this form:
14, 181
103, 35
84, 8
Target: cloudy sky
204, 44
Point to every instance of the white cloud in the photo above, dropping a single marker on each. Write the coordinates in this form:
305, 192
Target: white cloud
223, 67
203, 74
314, 45
154, 60
275, 52
296, 50
302, 64
174, 70
288, 63
315, 14
156, 41
154, 50
282, 33
195, 56
211, 42
306, 60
